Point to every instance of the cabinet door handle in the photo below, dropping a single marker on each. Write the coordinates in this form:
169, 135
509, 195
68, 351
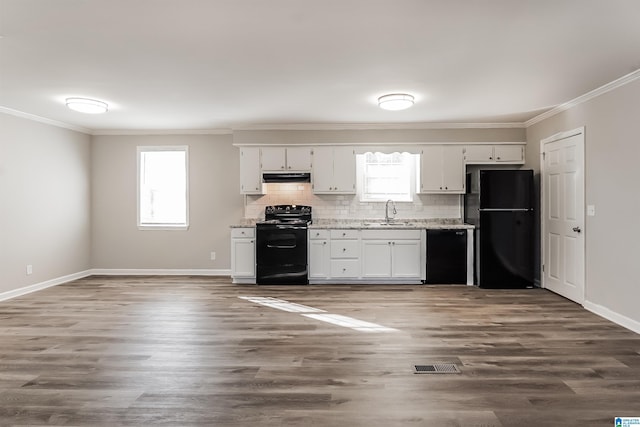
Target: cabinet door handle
324, 243
344, 249
498, 158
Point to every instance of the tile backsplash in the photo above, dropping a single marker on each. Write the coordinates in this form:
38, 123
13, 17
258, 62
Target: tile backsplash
424, 206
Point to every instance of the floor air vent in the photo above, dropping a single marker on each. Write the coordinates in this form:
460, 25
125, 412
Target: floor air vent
437, 368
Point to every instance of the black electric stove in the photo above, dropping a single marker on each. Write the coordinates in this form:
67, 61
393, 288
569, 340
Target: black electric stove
281, 245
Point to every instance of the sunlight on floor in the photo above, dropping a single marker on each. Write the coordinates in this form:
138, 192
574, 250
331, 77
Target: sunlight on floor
318, 314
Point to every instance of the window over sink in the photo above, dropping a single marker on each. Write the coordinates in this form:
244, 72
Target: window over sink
383, 176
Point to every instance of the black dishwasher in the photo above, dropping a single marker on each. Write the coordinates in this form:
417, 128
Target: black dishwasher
446, 256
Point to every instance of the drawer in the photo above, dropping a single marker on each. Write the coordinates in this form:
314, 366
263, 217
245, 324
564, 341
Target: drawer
243, 232
345, 268
318, 234
345, 249
345, 234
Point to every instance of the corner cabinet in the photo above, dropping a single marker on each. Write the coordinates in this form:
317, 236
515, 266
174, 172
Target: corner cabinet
243, 255
333, 170
482, 154
250, 174
442, 169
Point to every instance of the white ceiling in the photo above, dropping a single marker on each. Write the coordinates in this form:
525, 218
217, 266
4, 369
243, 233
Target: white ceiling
229, 64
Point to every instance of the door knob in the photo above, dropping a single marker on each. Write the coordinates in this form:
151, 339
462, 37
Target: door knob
577, 229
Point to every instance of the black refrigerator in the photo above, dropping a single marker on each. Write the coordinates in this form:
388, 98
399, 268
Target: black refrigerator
499, 203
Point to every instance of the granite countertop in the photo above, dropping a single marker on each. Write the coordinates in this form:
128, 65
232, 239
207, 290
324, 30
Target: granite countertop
378, 224
342, 224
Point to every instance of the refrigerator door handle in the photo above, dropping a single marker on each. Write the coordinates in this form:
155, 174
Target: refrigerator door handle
505, 210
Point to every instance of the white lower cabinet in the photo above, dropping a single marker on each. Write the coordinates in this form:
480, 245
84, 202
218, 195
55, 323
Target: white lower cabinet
366, 256
345, 254
243, 255
393, 254
319, 262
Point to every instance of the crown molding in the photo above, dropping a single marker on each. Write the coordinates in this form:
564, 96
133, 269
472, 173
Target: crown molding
163, 132
44, 120
378, 126
586, 97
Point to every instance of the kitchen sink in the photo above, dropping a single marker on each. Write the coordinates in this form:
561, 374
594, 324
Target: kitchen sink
389, 224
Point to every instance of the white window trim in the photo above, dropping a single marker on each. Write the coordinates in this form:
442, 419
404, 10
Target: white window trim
162, 227
360, 171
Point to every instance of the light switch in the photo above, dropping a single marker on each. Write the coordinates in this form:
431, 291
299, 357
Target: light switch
591, 210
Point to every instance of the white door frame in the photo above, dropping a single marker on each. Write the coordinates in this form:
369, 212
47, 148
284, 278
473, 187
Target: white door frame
543, 237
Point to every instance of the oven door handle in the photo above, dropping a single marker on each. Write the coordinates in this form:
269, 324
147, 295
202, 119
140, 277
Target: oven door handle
282, 246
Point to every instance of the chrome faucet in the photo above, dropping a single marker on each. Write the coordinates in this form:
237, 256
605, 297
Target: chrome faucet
387, 218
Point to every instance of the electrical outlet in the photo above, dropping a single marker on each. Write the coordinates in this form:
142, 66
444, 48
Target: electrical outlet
213, 256
29, 269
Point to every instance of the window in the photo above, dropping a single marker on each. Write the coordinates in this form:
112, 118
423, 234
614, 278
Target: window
384, 176
163, 198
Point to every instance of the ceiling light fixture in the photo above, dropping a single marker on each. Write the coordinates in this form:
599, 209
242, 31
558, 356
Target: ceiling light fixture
395, 101
85, 105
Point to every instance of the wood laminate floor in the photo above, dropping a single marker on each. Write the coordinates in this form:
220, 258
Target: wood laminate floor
181, 351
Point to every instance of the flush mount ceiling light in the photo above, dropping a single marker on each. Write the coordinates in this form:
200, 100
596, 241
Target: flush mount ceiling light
85, 105
395, 101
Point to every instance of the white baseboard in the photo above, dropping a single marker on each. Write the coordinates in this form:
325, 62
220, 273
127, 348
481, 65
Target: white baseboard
43, 285
621, 320
159, 272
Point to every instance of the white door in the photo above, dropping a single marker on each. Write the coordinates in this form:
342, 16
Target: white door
322, 174
318, 259
406, 259
563, 215
273, 158
250, 174
376, 259
299, 159
431, 169
344, 170
243, 258
453, 172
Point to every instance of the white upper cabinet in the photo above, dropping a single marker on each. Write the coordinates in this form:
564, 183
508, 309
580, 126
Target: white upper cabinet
334, 170
250, 175
442, 169
488, 154
291, 159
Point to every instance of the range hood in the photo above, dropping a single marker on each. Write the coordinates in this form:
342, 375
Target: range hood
286, 177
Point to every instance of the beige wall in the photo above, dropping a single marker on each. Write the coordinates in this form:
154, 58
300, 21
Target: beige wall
612, 151
215, 203
44, 202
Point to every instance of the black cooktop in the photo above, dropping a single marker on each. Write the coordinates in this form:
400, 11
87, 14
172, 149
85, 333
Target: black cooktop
287, 214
